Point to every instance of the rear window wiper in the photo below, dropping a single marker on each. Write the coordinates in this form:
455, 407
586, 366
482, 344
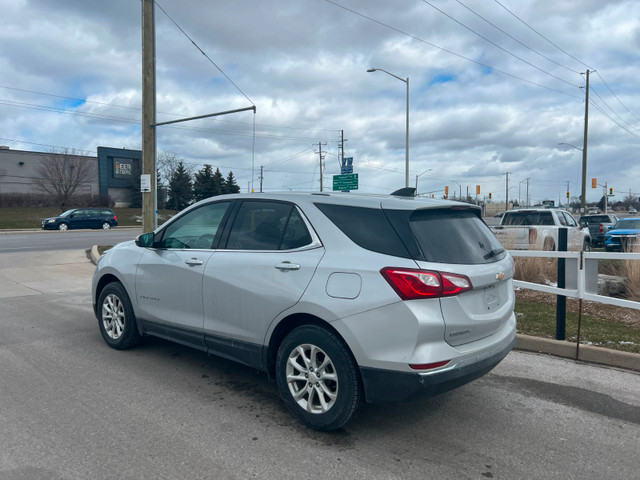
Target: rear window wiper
493, 253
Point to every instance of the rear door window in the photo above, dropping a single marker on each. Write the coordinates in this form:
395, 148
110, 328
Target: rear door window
268, 226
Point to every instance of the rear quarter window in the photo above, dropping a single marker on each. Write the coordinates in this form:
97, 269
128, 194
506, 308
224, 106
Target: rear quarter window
368, 228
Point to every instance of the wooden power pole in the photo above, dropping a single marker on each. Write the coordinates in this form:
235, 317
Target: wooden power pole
148, 114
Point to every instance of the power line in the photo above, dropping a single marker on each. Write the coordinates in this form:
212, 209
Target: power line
612, 110
203, 53
516, 40
620, 101
498, 46
418, 39
541, 35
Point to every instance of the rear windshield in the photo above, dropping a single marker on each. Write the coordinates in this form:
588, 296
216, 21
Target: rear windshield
597, 219
454, 236
526, 217
440, 236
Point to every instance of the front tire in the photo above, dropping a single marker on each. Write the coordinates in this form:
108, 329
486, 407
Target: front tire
587, 245
63, 227
116, 318
317, 378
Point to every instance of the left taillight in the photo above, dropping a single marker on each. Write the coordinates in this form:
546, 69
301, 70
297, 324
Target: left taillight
411, 284
115, 217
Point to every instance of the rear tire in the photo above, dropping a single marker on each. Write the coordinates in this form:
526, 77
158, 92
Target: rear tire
116, 318
106, 225
318, 378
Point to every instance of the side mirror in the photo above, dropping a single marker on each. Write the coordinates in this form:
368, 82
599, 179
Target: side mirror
145, 240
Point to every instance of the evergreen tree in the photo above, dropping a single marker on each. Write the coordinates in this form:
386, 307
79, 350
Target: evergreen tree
203, 185
230, 185
180, 188
218, 183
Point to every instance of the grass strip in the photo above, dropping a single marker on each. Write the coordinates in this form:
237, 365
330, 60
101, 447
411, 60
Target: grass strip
539, 320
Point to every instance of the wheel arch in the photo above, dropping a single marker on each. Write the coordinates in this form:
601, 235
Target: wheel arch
105, 280
286, 325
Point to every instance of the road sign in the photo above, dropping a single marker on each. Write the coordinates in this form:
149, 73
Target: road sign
345, 182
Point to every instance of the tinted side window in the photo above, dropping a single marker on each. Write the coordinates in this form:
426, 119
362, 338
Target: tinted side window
267, 226
455, 236
195, 229
367, 227
562, 219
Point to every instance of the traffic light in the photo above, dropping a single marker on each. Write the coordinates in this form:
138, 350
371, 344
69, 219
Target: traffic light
446, 190
477, 189
594, 183
610, 190
489, 196
567, 194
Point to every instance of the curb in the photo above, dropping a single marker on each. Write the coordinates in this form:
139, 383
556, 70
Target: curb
587, 353
94, 255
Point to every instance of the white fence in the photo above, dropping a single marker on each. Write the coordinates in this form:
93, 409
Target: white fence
581, 272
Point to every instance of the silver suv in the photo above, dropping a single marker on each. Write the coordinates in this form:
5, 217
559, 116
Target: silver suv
342, 297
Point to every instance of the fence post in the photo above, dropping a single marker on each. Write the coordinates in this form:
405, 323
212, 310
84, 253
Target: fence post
561, 303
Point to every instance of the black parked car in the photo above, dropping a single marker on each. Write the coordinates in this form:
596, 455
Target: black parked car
82, 218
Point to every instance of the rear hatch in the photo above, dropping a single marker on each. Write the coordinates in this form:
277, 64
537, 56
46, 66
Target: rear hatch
456, 240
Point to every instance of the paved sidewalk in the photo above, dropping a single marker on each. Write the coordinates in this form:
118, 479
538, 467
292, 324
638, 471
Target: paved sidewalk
42, 273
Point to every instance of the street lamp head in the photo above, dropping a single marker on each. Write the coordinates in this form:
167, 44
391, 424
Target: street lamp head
371, 70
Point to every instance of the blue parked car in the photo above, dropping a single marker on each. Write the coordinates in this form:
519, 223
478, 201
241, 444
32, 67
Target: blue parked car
623, 235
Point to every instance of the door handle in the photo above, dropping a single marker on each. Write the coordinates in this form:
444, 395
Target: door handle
284, 266
193, 262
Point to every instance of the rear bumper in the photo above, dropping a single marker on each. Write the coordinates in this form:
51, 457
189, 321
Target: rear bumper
392, 386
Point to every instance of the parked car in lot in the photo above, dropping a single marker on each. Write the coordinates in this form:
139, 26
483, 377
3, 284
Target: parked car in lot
598, 225
537, 229
633, 211
623, 235
82, 218
340, 297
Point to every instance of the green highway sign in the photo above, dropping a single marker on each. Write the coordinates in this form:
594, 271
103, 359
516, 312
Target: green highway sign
345, 182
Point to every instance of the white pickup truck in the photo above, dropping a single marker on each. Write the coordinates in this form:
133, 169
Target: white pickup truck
537, 229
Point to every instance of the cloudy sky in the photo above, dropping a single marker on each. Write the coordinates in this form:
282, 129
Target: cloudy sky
495, 86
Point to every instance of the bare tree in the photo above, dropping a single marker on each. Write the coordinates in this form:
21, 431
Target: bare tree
61, 173
167, 164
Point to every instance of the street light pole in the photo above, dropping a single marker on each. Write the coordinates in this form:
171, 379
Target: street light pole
405, 80
418, 176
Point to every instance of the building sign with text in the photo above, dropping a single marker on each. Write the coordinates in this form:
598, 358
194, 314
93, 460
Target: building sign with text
122, 168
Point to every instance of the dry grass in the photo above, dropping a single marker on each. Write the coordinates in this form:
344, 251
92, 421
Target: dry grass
631, 270
536, 270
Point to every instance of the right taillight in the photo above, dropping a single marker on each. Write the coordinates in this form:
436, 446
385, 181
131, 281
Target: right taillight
411, 284
601, 228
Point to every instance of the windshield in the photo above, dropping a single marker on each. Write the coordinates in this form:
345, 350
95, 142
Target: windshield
67, 213
627, 225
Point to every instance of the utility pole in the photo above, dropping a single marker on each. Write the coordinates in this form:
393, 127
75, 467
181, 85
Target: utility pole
261, 176
528, 191
583, 198
606, 196
149, 221
506, 203
567, 207
319, 152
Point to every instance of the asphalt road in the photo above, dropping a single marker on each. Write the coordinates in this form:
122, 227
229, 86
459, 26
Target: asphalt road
39, 241
72, 408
